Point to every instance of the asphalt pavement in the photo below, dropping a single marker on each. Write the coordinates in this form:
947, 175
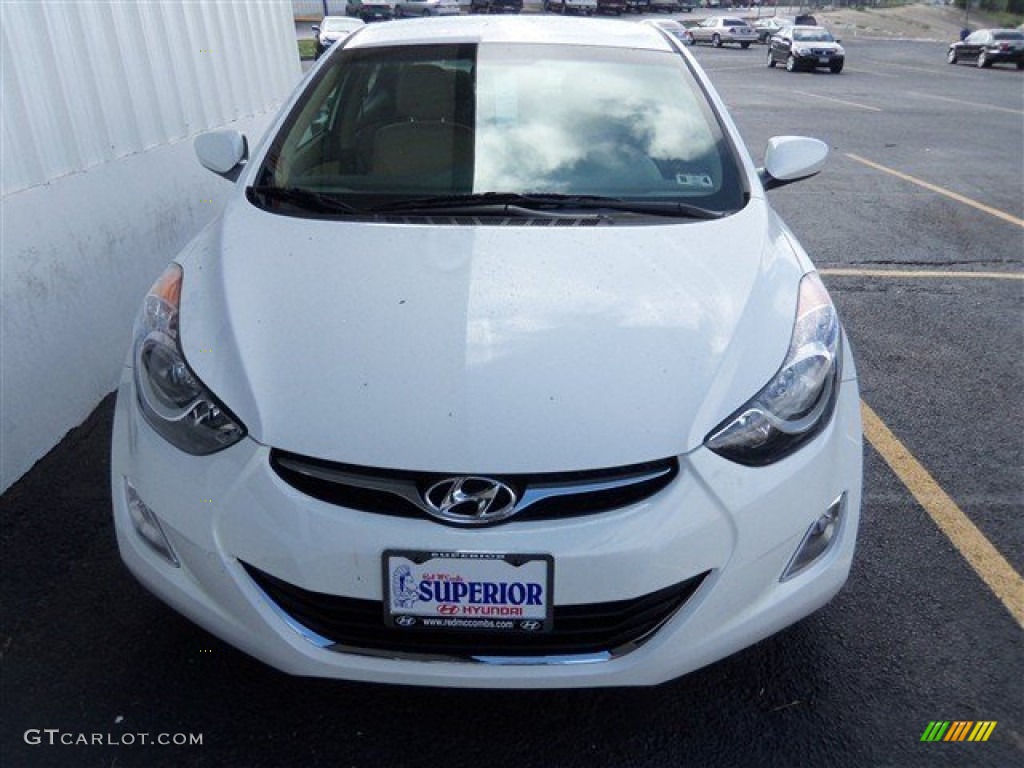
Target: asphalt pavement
917, 635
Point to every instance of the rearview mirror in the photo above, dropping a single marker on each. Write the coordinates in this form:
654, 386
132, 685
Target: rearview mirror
223, 152
791, 158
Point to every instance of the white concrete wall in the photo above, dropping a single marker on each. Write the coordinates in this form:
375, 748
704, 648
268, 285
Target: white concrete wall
100, 187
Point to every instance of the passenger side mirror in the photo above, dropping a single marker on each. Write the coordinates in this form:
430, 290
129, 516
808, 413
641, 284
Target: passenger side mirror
223, 152
315, 29
791, 158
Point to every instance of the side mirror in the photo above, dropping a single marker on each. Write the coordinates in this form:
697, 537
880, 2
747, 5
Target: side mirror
791, 158
316, 29
223, 152
838, 41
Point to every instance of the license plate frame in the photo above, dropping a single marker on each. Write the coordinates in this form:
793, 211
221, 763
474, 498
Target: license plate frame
453, 591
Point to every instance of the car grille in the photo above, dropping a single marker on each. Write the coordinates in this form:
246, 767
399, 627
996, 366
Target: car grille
540, 496
353, 625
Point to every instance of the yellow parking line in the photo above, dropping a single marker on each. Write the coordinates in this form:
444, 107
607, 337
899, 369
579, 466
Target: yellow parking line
961, 102
955, 275
944, 72
873, 72
941, 191
839, 101
984, 558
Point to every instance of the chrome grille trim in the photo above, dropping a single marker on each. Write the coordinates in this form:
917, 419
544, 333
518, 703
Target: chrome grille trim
401, 493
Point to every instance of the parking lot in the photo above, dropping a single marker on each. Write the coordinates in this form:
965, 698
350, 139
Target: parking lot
918, 226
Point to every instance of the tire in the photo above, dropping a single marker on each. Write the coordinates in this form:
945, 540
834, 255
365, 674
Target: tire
425, 14
771, 61
835, 68
1020, 65
716, 40
951, 56
744, 46
983, 62
790, 63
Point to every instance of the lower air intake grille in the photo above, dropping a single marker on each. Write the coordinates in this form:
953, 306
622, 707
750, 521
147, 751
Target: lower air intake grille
358, 625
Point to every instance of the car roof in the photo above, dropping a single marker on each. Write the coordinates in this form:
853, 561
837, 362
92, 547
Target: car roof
511, 29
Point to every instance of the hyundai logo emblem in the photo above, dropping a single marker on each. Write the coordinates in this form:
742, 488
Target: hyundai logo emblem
405, 621
470, 500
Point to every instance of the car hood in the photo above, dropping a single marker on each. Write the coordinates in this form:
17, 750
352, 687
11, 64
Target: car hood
487, 348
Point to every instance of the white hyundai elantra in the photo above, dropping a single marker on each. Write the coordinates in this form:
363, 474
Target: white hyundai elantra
498, 370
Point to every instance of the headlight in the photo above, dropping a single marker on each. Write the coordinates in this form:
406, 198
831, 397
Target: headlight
799, 50
798, 401
172, 398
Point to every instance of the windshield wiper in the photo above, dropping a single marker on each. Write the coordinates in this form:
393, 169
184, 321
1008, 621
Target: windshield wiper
306, 199
513, 202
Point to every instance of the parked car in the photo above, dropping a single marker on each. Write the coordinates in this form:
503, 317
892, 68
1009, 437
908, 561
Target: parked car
806, 48
722, 30
671, 6
805, 20
579, 7
425, 405
986, 47
615, 7
637, 6
407, 8
370, 10
331, 30
672, 27
496, 6
770, 26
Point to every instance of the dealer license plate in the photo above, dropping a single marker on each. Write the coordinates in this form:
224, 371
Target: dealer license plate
480, 591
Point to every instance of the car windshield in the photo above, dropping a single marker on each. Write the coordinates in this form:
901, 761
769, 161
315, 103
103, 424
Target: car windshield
812, 36
387, 124
734, 23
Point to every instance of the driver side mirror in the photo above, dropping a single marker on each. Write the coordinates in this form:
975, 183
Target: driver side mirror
791, 158
223, 152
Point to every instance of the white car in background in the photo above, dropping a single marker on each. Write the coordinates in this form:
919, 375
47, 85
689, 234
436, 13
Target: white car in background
724, 30
408, 8
497, 370
579, 7
331, 30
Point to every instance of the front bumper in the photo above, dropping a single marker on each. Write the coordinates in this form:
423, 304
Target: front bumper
739, 525
814, 60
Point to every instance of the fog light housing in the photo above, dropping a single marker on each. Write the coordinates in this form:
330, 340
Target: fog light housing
147, 526
818, 540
